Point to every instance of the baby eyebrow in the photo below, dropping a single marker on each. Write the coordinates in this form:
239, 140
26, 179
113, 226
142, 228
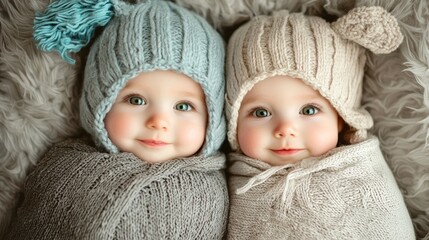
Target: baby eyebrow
250, 104
189, 94
252, 100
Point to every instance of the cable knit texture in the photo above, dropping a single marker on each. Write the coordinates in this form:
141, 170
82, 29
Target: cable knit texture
349, 193
308, 48
76, 192
152, 35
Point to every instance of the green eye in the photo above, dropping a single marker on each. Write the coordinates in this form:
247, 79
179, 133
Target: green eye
136, 101
261, 113
309, 110
184, 107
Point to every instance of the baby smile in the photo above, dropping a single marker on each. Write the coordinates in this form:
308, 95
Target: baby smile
153, 143
286, 151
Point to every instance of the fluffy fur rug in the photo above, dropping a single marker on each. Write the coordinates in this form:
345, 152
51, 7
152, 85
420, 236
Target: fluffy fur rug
39, 91
38, 94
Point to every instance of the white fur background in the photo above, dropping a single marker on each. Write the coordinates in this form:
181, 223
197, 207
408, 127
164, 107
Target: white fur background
39, 91
37, 101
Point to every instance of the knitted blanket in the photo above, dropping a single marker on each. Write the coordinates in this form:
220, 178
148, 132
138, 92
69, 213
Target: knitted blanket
349, 193
77, 192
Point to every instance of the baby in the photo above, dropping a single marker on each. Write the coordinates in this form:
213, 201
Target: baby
152, 169
303, 166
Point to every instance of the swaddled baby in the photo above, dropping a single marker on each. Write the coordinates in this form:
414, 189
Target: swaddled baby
151, 169
304, 167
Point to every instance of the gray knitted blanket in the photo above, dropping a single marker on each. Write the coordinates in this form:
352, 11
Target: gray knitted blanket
350, 193
77, 192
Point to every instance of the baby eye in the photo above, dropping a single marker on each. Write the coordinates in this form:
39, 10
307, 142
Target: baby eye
137, 100
184, 107
261, 113
309, 110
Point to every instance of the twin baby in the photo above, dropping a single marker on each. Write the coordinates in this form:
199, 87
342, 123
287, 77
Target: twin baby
302, 166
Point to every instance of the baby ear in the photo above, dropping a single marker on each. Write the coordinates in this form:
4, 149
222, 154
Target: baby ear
371, 27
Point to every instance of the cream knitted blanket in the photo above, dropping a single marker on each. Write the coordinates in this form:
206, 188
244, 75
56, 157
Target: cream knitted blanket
76, 192
349, 193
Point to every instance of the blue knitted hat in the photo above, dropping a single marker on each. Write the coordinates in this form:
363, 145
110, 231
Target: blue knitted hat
151, 35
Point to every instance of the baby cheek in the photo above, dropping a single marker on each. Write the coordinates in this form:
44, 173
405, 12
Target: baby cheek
321, 139
192, 133
119, 125
249, 140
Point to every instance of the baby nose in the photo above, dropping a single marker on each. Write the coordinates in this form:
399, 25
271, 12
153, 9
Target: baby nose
285, 129
157, 121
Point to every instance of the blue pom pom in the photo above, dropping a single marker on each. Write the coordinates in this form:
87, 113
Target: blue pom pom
68, 25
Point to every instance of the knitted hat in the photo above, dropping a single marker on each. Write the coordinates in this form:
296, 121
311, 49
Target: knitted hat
144, 37
330, 57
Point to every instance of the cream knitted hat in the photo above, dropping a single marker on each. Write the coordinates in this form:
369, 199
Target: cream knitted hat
330, 57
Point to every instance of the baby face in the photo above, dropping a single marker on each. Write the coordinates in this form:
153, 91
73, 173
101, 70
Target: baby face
282, 120
158, 116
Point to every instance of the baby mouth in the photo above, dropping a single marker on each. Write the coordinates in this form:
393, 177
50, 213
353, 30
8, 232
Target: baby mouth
153, 143
284, 151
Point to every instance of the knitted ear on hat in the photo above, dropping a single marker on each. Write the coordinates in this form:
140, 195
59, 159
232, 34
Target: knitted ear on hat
371, 27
